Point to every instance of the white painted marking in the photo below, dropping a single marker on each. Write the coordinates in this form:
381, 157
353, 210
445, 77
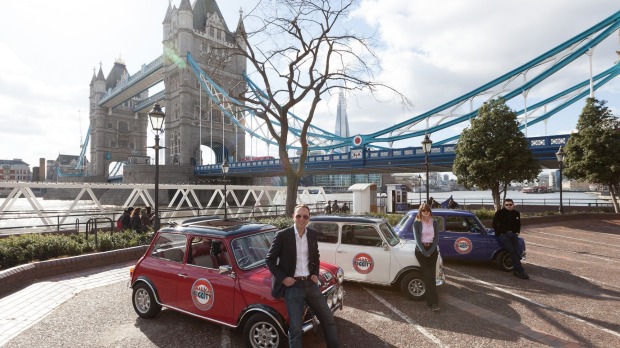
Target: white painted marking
579, 239
476, 280
417, 326
573, 252
578, 276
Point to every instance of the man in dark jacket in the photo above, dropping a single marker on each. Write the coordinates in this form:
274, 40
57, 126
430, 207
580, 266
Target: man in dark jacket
293, 259
507, 225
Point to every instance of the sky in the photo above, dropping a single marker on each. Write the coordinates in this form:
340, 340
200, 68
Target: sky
431, 51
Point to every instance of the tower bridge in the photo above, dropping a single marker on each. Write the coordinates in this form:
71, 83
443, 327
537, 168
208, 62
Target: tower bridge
200, 112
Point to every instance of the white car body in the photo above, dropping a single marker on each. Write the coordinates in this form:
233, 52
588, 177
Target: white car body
369, 251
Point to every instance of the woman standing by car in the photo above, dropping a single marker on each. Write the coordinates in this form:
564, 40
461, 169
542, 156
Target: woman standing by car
426, 236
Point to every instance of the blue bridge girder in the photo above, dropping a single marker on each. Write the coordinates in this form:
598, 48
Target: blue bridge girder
405, 160
148, 76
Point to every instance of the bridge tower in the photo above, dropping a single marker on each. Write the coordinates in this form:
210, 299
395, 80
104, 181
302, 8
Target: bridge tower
192, 119
115, 133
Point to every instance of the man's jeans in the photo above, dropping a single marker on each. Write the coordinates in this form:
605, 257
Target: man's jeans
510, 241
300, 293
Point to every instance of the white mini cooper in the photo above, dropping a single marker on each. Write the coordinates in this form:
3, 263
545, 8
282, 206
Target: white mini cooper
369, 251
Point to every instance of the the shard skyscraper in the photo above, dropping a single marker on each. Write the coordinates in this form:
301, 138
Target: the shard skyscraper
342, 121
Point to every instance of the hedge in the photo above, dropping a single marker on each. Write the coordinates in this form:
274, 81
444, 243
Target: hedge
31, 247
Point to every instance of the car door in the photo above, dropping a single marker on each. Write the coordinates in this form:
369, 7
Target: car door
327, 237
462, 239
362, 254
202, 290
164, 264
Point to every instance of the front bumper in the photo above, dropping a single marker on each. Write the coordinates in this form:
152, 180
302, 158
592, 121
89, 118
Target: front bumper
334, 295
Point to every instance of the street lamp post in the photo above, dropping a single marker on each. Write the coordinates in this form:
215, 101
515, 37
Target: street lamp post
560, 156
420, 190
157, 117
225, 167
427, 143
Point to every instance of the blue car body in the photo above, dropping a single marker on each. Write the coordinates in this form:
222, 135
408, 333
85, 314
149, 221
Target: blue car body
462, 237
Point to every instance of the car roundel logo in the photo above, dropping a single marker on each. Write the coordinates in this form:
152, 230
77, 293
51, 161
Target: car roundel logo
202, 294
363, 263
462, 245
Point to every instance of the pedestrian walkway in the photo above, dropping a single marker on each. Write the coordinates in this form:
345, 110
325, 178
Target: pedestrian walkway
24, 308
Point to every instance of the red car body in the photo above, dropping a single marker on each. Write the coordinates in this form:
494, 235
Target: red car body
215, 270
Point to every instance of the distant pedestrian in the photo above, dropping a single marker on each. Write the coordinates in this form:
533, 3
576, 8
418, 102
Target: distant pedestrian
433, 203
335, 207
328, 207
136, 220
146, 221
344, 208
507, 225
452, 204
126, 219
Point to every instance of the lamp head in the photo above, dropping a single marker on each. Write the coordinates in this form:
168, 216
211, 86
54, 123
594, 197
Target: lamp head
225, 167
427, 143
560, 154
157, 117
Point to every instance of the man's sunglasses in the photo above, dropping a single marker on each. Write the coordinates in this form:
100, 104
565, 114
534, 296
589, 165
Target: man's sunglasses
508, 204
306, 217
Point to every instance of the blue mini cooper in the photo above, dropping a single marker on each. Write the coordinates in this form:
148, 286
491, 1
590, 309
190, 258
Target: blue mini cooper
462, 237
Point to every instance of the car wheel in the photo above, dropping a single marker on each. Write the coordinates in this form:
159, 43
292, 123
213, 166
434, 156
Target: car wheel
503, 261
144, 302
260, 331
413, 286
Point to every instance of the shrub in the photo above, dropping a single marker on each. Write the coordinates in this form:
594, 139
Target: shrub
484, 214
279, 222
17, 250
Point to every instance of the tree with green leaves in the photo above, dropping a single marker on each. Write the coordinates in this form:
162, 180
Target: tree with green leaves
493, 152
592, 153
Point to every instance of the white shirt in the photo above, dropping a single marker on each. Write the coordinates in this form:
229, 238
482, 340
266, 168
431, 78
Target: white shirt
301, 244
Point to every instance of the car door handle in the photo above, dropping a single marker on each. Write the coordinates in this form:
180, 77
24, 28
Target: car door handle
341, 252
183, 275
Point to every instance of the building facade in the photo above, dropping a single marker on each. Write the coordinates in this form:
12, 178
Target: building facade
15, 170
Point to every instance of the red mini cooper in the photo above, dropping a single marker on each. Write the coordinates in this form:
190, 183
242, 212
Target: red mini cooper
215, 270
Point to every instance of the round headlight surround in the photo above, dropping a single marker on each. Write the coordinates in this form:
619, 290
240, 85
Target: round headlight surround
340, 275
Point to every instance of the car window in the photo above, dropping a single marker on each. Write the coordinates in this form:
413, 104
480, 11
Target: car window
389, 234
325, 232
170, 246
364, 235
404, 220
441, 223
250, 251
207, 252
458, 224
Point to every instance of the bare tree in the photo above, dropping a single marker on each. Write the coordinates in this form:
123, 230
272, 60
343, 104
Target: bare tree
300, 51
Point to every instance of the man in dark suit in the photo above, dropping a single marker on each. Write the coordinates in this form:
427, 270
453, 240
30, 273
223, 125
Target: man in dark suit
293, 260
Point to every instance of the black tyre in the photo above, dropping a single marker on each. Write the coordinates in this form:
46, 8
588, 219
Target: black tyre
412, 286
503, 261
261, 331
144, 302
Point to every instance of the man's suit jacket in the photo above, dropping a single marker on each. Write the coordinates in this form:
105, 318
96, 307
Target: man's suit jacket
282, 257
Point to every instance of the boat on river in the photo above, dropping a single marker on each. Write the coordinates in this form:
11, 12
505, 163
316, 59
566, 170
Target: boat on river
537, 189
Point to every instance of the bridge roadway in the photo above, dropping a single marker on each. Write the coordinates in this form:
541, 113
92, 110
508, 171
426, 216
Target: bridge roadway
571, 300
360, 161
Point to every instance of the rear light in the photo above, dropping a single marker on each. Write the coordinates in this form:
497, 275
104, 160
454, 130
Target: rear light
131, 269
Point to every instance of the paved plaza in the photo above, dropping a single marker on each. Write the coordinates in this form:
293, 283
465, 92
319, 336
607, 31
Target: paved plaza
571, 300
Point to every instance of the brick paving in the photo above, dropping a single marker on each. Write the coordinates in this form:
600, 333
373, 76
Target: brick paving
24, 308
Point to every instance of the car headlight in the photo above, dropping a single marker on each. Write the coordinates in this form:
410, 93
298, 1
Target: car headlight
340, 275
